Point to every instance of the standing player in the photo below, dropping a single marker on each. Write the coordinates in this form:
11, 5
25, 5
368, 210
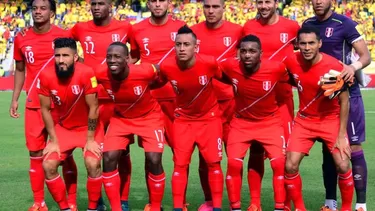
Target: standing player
33, 51
152, 41
95, 36
197, 115
277, 35
72, 87
318, 118
339, 36
136, 113
218, 38
256, 107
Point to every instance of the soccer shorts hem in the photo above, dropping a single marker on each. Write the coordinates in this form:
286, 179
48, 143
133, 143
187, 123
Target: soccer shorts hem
35, 133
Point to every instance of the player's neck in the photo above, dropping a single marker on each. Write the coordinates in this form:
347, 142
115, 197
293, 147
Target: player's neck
270, 21
102, 22
214, 25
322, 18
314, 61
250, 71
187, 64
158, 21
42, 28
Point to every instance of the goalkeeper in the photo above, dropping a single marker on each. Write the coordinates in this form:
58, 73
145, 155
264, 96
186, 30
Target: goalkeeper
319, 117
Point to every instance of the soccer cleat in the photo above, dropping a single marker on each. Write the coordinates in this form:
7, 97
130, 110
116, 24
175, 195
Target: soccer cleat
325, 208
38, 207
254, 207
287, 208
148, 208
185, 207
73, 207
125, 206
101, 207
206, 206
360, 209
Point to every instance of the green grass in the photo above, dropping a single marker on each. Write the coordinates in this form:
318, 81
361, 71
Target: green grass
15, 192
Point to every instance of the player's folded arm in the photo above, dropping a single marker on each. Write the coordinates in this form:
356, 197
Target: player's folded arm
159, 80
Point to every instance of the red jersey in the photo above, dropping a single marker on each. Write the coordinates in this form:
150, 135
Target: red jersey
68, 95
131, 96
255, 95
36, 51
155, 43
220, 43
96, 39
195, 93
312, 101
277, 43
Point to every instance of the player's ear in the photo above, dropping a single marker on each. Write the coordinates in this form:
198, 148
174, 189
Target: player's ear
196, 47
320, 43
127, 59
76, 57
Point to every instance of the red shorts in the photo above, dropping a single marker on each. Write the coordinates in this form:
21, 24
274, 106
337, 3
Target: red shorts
149, 129
227, 108
268, 133
35, 132
306, 131
287, 119
207, 135
168, 107
106, 110
70, 139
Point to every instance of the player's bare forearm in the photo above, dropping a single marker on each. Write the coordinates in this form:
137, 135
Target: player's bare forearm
344, 112
45, 107
92, 102
361, 49
19, 80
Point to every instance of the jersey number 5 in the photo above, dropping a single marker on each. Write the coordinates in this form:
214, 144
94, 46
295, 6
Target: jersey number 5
146, 49
90, 47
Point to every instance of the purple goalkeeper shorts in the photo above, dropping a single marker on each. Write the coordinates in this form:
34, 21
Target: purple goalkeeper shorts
356, 121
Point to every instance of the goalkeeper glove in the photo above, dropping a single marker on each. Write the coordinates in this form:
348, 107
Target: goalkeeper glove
332, 84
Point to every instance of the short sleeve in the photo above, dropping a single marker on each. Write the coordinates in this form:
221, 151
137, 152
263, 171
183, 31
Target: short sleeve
352, 33
73, 32
216, 69
130, 33
42, 86
90, 82
68, 33
17, 52
133, 43
284, 76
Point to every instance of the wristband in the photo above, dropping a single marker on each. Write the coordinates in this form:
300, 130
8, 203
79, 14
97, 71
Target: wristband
357, 65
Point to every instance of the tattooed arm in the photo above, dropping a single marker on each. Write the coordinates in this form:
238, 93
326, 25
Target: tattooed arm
92, 102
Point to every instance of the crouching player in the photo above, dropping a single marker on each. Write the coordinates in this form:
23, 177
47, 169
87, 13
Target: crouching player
72, 87
136, 113
256, 107
318, 118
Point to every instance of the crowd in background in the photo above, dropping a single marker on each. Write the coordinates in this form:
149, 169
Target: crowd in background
15, 15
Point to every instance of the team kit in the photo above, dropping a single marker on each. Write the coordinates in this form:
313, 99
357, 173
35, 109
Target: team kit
218, 86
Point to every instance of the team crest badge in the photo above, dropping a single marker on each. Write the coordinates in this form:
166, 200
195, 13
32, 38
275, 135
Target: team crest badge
227, 41
203, 80
137, 90
115, 37
283, 37
76, 90
266, 85
173, 36
329, 32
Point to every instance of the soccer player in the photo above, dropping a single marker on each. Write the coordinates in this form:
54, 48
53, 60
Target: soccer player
277, 35
318, 118
72, 87
218, 38
33, 52
339, 36
256, 107
136, 113
95, 36
197, 116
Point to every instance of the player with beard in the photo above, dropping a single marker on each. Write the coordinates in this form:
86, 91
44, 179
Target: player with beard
95, 36
72, 87
318, 118
277, 35
33, 52
136, 113
197, 116
340, 36
256, 107
218, 38
152, 41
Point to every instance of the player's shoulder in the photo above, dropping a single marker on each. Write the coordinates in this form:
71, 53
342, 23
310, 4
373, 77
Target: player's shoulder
251, 22
228, 64
288, 22
48, 74
168, 63
175, 21
119, 24
328, 59
232, 26
310, 21
145, 23
198, 26
341, 19
205, 58
101, 72
83, 68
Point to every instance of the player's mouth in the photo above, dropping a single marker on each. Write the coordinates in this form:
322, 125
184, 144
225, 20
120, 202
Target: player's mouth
309, 54
113, 67
97, 13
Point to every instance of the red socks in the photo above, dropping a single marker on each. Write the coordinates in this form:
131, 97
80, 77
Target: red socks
36, 174
234, 182
293, 184
216, 181
346, 185
156, 184
125, 169
69, 170
111, 182
179, 182
277, 166
94, 191
255, 176
57, 189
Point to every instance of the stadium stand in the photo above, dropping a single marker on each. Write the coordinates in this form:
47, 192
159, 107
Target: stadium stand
15, 15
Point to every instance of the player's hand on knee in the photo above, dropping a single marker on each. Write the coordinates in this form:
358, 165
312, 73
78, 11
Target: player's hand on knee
343, 146
52, 147
13, 110
93, 147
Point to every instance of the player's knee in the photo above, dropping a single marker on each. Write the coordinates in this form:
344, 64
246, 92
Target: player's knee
278, 165
153, 158
235, 166
291, 166
356, 147
343, 166
214, 166
50, 168
93, 166
110, 160
179, 167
